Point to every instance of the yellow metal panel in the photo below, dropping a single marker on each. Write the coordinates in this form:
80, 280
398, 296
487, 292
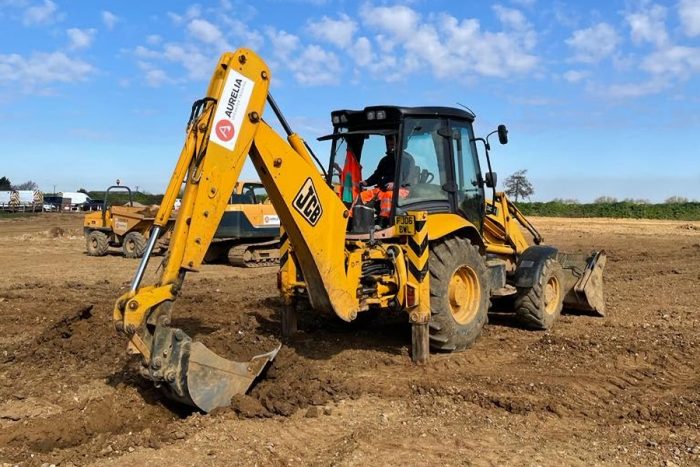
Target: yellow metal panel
417, 256
440, 225
314, 220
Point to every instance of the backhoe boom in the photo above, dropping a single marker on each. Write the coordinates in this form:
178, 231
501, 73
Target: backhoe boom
224, 129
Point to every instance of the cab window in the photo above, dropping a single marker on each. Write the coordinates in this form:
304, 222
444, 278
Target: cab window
425, 166
251, 193
367, 149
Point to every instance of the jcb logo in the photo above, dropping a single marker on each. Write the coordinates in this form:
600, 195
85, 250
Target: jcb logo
307, 203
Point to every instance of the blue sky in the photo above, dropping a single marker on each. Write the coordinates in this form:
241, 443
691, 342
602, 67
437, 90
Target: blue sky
601, 97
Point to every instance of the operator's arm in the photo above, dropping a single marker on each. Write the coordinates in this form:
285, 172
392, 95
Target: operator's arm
384, 172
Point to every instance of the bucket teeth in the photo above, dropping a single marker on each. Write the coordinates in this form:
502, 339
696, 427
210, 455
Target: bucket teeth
195, 375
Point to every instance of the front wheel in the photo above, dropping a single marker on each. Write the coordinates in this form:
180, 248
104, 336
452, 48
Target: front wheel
459, 295
96, 243
134, 245
539, 306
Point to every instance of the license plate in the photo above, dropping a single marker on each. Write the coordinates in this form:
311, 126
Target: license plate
405, 225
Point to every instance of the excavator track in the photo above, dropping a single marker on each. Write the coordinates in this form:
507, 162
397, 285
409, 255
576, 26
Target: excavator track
254, 255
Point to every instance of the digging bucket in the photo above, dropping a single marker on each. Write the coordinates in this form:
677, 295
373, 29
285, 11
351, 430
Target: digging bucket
584, 281
191, 373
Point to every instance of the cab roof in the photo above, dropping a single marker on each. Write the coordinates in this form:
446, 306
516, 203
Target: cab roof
394, 113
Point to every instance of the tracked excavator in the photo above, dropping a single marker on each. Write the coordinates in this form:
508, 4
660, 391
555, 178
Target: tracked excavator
248, 234
437, 242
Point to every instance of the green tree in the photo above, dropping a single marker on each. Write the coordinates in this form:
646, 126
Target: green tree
518, 186
5, 184
676, 200
605, 200
28, 185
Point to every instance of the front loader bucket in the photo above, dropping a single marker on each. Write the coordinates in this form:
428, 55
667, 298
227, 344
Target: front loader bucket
584, 281
197, 376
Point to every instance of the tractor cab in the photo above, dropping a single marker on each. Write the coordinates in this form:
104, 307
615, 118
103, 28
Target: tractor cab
396, 159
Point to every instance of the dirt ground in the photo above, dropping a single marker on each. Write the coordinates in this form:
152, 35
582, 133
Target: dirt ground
620, 390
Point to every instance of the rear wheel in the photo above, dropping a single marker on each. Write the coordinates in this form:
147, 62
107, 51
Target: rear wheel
539, 306
134, 245
96, 243
459, 295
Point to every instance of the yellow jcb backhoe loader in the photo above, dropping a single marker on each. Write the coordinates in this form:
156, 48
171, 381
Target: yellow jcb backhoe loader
430, 244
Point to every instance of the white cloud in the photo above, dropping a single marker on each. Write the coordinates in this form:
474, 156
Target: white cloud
243, 33
400, 21
208, 33
144, 52
648, 25
109, 19
510, 17
338, 32
678, 61
665, 66
197, 64
311, 65
194, 11
44, 13
525, 3
574, 76
153, 39
154, 77
689, 13
284, 43
593, 44
42, 69
80, 38
316, 67
362, 51
207, 36
633, 90
448, 45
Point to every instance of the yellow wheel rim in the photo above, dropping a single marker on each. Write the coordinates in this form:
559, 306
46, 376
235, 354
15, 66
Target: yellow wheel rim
464, 293
130, 246
93, 243
552, 295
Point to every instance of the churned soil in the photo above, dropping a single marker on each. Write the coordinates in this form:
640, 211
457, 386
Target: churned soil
624, 389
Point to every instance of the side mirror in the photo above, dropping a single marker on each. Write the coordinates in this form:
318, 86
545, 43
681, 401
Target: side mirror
491, 179
502, 134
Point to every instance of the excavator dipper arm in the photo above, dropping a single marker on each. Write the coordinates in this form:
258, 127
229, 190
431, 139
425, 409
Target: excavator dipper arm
225, 127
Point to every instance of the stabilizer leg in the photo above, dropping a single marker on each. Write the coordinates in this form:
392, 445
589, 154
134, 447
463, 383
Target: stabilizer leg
289, 320
420, 343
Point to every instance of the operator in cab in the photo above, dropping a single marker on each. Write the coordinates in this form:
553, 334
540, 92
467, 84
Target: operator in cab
383, 176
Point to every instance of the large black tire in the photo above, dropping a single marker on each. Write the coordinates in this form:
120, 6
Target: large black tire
134, 245
96, 243
459, 294
538, 307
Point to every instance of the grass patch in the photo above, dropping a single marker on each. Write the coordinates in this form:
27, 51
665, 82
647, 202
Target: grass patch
624, 210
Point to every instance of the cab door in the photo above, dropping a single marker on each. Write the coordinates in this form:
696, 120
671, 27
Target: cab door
469, 194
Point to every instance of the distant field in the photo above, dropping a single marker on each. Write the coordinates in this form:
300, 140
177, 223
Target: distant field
623, 210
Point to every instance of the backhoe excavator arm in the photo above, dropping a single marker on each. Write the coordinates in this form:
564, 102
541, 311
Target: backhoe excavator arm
225, 127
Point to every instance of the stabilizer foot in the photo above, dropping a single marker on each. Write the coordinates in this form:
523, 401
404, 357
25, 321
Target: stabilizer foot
289, 320
420, 343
